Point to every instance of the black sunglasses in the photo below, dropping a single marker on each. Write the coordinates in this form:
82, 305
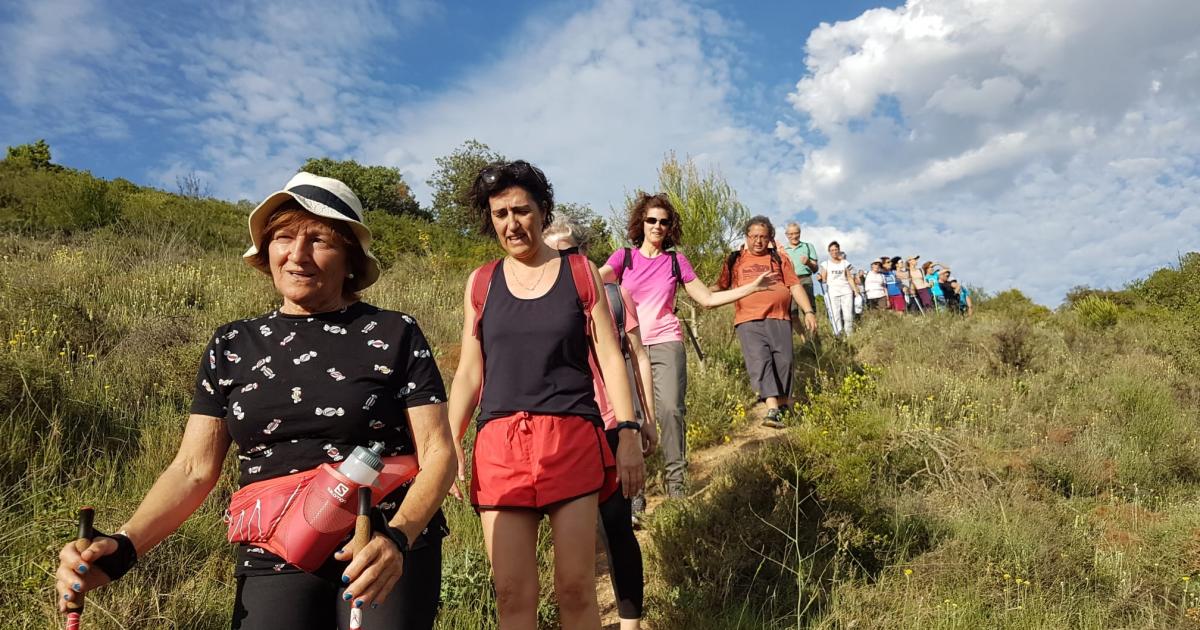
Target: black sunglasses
491, 174
657, 221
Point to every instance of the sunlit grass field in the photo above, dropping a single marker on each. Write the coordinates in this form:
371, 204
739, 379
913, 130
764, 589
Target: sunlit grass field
1021, 469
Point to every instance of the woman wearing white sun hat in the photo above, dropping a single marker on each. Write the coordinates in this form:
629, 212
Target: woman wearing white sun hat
370, 377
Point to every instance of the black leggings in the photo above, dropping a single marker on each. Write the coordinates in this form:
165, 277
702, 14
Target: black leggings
621, 546
304, 601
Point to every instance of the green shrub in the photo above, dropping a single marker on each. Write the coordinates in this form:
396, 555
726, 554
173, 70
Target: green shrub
1096, 312
41, 201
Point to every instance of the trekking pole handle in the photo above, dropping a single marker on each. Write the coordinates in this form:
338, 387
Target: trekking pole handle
87, 531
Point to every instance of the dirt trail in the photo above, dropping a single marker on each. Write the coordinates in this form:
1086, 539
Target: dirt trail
701, 465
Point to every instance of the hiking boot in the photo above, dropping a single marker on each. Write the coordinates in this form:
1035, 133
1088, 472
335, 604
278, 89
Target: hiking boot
773, 419
675, 491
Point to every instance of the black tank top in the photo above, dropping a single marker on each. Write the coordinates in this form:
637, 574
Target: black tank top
535, 352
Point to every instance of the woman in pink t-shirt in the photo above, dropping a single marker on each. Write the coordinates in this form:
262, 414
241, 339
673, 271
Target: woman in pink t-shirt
650, 272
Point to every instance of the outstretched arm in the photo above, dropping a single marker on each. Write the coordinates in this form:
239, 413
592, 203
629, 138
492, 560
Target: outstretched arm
179, 490
710, 299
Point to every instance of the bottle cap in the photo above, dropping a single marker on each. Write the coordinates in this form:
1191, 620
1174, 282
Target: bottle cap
373, 458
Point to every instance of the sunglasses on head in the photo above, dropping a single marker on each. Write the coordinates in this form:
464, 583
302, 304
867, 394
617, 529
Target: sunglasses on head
657, 221
518, 169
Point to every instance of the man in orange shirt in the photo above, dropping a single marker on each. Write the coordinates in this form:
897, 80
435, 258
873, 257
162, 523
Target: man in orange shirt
762, 320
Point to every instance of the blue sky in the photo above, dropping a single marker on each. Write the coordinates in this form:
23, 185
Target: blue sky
1028, 143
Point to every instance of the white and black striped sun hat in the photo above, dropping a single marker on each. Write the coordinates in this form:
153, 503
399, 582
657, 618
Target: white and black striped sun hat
325, 197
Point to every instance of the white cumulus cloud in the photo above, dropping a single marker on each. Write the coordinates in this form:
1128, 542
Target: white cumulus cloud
1031, 144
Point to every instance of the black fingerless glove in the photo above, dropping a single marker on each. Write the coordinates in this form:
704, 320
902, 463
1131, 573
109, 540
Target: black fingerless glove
119, 562
379, 523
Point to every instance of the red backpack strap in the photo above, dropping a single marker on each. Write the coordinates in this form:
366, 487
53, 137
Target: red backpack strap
585, 286
479, 291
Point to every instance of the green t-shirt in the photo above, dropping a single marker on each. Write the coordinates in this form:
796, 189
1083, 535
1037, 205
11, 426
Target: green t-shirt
801, 249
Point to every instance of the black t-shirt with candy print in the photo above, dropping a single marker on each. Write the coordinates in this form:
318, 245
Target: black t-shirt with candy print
298, 391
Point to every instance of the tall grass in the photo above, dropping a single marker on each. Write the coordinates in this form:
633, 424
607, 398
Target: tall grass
1020, 469
101, 328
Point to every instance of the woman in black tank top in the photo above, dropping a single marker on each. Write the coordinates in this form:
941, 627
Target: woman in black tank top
540, 446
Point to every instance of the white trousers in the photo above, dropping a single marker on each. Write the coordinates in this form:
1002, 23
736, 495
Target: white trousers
841, 313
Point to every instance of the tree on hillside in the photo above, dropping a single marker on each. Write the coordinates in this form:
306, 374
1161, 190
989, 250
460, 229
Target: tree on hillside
452, 180
380, 188
32, 155
708, 206
190, 185
600, 237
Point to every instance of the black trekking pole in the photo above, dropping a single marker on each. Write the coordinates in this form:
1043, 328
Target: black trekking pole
86, 532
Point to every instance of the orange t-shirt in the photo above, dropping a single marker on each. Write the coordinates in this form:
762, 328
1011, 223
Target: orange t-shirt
773, 303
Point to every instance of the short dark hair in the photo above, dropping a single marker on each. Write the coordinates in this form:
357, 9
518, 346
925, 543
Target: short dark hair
635, 231
500, 176
831, 244
759, 219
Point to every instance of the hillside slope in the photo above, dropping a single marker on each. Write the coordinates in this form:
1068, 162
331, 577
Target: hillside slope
936, 456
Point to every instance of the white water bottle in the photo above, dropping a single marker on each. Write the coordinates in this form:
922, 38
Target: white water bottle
363, 465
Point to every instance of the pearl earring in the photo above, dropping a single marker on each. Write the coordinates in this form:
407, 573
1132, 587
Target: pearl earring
350, 276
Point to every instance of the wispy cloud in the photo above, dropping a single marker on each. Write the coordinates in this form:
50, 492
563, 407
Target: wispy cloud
1032, 144
597, 99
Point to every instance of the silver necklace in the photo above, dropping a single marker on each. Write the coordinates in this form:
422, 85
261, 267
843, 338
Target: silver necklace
541, 274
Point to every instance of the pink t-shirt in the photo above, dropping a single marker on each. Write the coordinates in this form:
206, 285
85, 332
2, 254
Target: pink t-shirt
606, 408
652, 286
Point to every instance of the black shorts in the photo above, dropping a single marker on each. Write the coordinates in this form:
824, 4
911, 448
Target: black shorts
303, 601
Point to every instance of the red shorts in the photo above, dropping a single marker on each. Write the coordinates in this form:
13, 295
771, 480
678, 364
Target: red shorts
538, 461
897, 302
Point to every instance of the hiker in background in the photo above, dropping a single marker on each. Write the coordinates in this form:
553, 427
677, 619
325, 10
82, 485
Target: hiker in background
840, 288
762, 319
804, 260
527, 342
947, 291
325, 347
930, 272
895, 295
651, 271
875, 285
965, 305
616, 518
904, 278
920, 286
860, 277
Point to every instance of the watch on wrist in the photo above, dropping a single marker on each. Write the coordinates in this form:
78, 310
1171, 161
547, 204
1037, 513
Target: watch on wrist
629, 424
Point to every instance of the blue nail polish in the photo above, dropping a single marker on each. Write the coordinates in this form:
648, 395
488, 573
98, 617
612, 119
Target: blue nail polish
358, 603
347, 596
76, 587
345, 579
82, 568
67, 596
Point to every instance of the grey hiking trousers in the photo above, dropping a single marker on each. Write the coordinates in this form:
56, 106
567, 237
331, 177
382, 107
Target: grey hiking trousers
669, 363
767, 350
